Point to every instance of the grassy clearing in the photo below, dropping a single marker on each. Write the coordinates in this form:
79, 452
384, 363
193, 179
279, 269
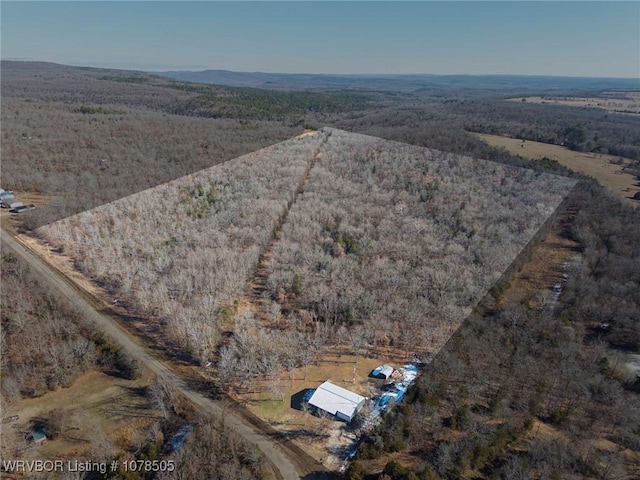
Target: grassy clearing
97, 411
598, 166
273, 402
543, 270
627, 102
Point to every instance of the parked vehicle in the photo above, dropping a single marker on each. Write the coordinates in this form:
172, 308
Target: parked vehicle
22, 208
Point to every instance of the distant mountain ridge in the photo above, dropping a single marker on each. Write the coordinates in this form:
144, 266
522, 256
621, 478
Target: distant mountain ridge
416, 83
18, 72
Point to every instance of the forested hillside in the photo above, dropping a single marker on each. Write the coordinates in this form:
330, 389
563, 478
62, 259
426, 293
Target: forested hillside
180, 253
533, 389
551, 399
382, 244
85, 137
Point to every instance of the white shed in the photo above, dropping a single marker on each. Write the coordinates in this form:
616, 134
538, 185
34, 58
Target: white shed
383, 371
337, 401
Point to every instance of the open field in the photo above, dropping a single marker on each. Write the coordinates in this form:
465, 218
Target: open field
618, 102
98, 411
535, 280
606, 169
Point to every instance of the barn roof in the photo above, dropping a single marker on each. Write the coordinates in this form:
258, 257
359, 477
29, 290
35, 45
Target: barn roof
334, 399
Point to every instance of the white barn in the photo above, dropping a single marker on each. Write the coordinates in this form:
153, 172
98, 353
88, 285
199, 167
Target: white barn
337, 401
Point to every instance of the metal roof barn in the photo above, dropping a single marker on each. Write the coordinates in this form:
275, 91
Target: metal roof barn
337, 401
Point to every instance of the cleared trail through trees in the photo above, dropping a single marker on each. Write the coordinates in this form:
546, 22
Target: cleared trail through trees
285, 461
258, 282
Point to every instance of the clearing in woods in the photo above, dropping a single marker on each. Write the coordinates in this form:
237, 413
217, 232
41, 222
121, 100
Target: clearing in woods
277, 401
618, 102
98, 409
606, 169
547, 266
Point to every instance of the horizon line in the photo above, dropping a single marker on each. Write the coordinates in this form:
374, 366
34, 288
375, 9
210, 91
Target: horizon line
154, 68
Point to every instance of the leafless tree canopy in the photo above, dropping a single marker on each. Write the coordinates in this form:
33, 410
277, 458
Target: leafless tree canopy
387, 243
182, 251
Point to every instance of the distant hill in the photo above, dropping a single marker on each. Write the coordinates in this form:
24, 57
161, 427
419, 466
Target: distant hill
508, 84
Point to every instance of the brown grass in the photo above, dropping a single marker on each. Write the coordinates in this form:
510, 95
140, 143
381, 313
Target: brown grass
314, 435
598, 166
630, 104
12, 222
543, 270
96, 406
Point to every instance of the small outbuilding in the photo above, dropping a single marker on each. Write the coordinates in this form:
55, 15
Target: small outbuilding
337, 401
6, 201
39, 437
383, 371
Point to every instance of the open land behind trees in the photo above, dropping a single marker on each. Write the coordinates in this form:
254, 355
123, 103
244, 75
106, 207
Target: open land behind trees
609, 170
620, 102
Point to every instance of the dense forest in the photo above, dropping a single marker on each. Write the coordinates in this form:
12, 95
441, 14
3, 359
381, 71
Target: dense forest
551, 401
554, 399
519, 391
181, 253
384, 244
45, 343
83, 135
28, 307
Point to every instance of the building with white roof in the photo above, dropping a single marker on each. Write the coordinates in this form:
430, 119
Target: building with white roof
383, 371
337, 401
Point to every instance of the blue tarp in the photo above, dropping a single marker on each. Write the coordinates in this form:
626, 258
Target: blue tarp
398, 390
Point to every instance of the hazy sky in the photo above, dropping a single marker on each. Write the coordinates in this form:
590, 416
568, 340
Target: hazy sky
517, 37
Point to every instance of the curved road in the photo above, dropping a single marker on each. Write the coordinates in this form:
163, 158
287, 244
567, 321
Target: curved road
281, 462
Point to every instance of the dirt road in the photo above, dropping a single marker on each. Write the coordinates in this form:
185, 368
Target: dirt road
286, 463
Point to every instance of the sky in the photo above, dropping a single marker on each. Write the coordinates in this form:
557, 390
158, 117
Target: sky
576, 38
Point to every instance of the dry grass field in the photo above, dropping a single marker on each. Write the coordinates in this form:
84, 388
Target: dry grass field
98, 411
617, 102
537, 277
324, 439
598, 166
